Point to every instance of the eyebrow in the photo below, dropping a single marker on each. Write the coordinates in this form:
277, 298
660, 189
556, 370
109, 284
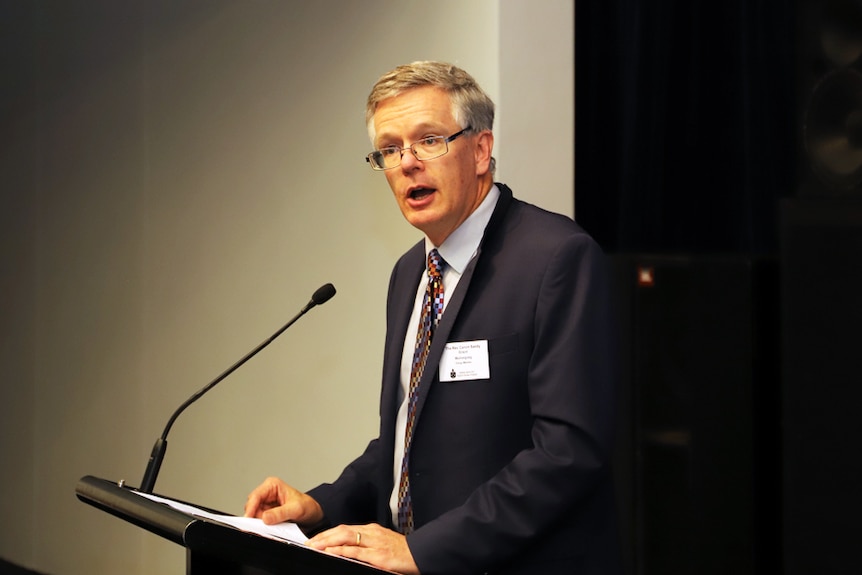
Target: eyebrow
427, 127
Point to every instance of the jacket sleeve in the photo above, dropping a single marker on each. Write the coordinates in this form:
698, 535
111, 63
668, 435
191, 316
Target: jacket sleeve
352, 497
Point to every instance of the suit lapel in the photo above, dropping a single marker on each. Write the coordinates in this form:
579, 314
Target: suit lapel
405, 291
402, 291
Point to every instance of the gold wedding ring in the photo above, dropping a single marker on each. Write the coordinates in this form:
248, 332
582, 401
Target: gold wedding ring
358, 538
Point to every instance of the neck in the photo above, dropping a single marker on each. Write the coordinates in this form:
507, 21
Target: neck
482, 189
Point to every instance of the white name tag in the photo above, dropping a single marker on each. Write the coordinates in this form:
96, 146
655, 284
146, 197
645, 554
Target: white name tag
463, 360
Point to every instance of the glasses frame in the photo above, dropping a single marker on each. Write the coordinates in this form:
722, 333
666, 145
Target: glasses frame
379, 168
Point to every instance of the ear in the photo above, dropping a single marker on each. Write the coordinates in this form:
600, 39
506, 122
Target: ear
483, 151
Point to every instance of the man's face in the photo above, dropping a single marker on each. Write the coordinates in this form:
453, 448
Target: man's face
437, 195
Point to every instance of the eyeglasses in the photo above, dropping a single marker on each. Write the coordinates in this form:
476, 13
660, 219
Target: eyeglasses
425, 149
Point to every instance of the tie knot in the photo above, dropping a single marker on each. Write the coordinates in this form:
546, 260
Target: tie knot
435, 265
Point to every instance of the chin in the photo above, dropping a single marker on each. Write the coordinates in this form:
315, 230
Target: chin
421, 224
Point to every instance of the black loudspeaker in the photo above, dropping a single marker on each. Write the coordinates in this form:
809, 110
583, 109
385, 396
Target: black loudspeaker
830, 97
821, 253
698, 459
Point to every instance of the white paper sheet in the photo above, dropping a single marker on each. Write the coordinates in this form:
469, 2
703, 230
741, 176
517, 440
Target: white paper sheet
282, 531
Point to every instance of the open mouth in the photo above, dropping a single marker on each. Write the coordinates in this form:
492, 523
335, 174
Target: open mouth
420, 193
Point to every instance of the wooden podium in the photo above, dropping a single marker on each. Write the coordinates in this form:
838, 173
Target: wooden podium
212, 547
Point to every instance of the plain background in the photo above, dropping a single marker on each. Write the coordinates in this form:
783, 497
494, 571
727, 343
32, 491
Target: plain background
178, 178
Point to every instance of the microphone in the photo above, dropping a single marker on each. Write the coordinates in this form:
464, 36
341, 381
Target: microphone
322, 295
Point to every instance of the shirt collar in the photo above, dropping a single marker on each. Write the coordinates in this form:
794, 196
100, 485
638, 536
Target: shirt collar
461, 245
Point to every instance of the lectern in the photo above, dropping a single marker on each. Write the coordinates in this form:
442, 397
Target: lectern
213, 547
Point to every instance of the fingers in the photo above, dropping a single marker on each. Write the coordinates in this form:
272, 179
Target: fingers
274, 501
289, 511
264, 496
370, 543
341, 536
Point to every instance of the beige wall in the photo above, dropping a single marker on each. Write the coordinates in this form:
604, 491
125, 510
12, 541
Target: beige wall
178, 178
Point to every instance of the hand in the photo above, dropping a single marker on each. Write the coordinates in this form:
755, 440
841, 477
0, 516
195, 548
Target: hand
274, 501
370, 543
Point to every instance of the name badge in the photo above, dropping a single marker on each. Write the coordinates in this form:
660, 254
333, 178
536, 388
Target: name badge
464, 360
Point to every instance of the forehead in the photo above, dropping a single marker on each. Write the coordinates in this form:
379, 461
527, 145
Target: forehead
416, 109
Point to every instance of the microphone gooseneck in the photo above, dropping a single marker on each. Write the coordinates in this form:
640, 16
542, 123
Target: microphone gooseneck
321, 296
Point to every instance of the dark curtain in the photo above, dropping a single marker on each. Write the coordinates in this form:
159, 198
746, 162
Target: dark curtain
686, 128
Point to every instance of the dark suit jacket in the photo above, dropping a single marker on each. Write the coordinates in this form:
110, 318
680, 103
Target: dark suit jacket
509, 474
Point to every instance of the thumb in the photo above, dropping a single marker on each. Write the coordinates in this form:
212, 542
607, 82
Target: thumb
303, 510
276, 515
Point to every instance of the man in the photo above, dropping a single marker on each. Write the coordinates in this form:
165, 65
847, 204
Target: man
497, 457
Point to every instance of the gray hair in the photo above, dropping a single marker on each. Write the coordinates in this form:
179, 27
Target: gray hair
471, 106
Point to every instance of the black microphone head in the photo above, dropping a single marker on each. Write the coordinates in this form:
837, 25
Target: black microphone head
323, 294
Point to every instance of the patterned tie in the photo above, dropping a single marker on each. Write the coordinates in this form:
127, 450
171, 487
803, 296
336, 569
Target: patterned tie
432, 309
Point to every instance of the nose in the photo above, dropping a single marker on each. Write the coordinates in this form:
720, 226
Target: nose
409, 160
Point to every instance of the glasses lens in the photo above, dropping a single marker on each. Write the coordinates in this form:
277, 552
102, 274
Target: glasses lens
384, 159
430, 148
389, 157
376, 160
